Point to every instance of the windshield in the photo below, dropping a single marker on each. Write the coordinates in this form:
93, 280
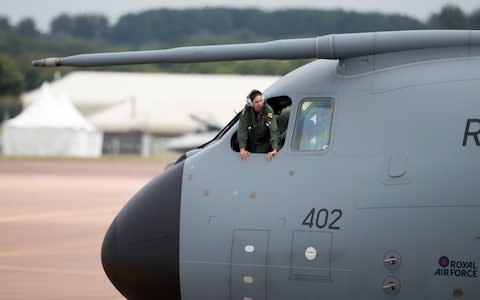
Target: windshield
314, 122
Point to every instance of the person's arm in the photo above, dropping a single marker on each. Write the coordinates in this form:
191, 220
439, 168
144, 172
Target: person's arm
282, 120
242, 135
274, 135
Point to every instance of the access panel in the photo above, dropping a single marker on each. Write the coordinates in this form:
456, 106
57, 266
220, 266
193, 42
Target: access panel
249, 265
311, 256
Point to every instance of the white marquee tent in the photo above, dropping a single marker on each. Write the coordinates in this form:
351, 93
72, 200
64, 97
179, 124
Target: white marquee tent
155, 102
51, 126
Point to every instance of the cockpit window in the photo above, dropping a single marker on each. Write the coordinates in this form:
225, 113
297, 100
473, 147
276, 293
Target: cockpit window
313, 125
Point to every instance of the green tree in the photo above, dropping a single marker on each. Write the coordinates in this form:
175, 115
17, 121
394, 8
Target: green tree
474, 20
450, 17
62, 24
82, 26
11, 82
26, 27
4, 24
175, 26
90, 26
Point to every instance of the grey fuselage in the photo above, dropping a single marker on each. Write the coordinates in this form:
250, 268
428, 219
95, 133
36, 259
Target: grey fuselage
396, 182
410, 116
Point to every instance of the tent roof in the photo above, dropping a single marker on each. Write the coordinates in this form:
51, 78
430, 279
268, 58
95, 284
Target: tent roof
156, 102
50, 110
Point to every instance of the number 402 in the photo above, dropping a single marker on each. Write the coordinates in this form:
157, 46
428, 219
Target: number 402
320, 218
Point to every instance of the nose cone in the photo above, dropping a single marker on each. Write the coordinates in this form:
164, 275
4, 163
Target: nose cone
140, 252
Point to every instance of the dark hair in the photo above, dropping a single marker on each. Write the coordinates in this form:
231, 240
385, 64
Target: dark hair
253, 94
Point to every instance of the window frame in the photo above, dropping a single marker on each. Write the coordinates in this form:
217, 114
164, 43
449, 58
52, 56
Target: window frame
298, 113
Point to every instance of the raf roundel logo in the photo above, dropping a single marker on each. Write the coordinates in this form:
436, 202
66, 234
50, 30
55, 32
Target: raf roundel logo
444, 261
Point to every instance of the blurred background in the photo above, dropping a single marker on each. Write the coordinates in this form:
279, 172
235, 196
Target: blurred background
127, 110
77, 143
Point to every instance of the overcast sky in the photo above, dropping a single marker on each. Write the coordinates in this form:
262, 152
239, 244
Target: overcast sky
42, 11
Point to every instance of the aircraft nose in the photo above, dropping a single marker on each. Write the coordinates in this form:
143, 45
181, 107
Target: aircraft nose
140, 252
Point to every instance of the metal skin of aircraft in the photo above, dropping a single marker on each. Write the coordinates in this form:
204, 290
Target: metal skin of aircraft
383, 203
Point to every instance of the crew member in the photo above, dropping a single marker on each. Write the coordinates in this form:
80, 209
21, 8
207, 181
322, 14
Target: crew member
257, 130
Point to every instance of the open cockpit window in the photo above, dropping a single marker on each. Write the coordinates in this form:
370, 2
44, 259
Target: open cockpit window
313, 125
281, 107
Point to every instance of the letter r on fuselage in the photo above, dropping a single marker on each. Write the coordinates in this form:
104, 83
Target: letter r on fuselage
470, 133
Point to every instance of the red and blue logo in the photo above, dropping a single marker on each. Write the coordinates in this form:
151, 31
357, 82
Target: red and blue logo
444, 261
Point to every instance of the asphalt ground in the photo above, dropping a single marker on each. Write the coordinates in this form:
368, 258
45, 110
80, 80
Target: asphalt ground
53, 217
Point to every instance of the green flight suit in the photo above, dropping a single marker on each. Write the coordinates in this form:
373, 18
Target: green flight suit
282, 124
282, 119
258, 132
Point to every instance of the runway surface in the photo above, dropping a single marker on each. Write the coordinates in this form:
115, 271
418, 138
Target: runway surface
53, 217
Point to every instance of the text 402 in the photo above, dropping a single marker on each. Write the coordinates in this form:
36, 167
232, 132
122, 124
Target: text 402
323, 218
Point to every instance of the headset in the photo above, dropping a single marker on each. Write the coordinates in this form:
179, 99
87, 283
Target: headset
249, 102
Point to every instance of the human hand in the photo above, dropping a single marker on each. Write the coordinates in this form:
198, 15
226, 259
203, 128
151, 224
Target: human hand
271, 154
243, 154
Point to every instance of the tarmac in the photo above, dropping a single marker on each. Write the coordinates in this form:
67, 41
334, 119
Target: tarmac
53, 217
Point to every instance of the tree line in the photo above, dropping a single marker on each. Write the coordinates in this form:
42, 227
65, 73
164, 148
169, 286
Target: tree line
154, 29
169, 26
